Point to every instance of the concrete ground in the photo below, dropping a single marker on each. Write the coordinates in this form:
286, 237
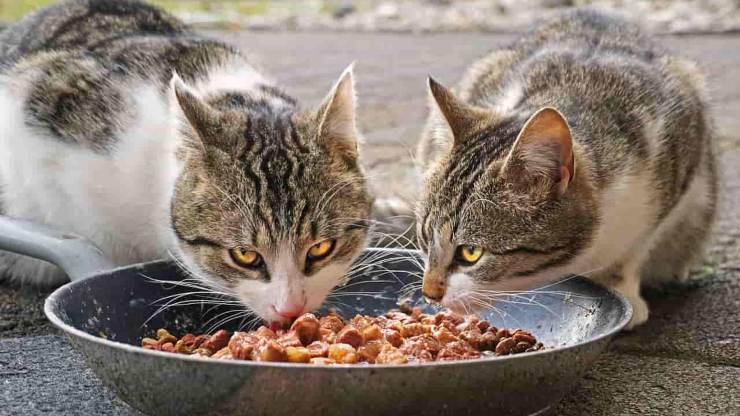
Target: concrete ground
685, 360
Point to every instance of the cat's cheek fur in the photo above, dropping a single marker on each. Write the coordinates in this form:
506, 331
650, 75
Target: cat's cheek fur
460, 287
319, 285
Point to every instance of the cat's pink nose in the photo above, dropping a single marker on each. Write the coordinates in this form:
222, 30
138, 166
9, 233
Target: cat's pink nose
290, 310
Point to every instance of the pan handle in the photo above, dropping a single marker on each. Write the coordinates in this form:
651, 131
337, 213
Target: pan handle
78, 257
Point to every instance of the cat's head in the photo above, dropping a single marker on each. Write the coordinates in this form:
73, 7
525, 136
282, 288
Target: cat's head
505, 207
271, 205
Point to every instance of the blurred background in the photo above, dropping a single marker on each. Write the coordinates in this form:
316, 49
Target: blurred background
663, 16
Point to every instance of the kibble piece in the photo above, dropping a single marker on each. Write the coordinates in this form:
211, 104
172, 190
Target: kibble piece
243, 344
318, 349
163, 336
337, 351
503, 333
523, 336
343, 353
487, 341
327, 335
307, 328
422, 347
457, 351
471, 336
412, 330
393, 337
189, 343
370, 350
265, 332
361, 322
203, 352
290, 339
168, 347
224, 354
217, 341
349, 335
483, 326
272, 351
371, 333
505, 346
391, 355
150, 343
332, 323
445, 336
298, 354
520, 347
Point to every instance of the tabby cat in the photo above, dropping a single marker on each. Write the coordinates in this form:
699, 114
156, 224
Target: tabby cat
123, 126
582, 148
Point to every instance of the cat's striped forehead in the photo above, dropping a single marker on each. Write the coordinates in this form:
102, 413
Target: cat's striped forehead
289, 187
455, 178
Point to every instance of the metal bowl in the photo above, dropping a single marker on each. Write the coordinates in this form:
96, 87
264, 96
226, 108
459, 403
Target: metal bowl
107, 315
105, 312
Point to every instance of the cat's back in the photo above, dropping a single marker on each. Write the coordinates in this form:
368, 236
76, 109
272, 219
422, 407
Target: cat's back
79, 66
84, 25
629, 102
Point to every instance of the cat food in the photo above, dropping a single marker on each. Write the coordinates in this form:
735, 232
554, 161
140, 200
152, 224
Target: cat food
398, 337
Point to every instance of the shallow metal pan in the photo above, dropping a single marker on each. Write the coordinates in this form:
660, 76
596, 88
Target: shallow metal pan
105, 312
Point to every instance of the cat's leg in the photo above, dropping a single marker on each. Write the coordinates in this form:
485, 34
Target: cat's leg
673, 247
683, 234
628, 284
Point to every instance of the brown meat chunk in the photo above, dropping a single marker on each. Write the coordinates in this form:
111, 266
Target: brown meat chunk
272, 351
307, 328
298, 354
217, 341
318, 349
349, 335
331, 322
391, 355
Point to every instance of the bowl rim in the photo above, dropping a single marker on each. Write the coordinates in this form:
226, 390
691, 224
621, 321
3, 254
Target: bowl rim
53, 300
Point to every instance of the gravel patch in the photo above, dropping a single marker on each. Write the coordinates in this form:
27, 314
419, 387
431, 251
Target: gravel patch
663, 16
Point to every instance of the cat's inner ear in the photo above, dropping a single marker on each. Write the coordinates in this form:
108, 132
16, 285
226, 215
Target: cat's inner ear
463, 119
543, 150
337, 130
204, 119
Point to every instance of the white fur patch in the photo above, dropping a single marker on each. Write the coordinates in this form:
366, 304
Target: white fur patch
118, 201
237, 76
629, 212
459, 289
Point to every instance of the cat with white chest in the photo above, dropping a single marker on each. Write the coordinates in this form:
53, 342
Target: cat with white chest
123, 126
583, 148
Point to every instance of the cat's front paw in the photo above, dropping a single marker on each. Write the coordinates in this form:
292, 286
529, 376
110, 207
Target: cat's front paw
640, 312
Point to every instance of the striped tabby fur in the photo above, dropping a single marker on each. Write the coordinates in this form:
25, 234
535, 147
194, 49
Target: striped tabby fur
581, 148
99, 138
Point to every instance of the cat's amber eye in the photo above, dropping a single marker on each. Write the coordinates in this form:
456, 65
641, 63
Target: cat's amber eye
320, 250
468, 254
245, 258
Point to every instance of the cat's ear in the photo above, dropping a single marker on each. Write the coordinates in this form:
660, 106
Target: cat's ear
543, 150
462, 118
337, 129
204, 119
